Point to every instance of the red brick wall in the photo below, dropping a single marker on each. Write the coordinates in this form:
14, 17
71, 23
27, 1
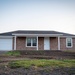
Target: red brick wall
41, 43
13, 43
21, 44
63, 44
53, 43
73, 44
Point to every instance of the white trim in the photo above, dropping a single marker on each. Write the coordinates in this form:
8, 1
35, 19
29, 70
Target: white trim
6, 37
37, 42
46, 35
15, 43
71, 42
58, 43
68, 36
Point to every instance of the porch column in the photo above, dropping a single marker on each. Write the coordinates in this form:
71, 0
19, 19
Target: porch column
58, 43
37, 42
15, 43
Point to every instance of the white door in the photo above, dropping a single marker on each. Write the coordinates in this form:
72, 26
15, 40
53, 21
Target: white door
46, 43
6, 44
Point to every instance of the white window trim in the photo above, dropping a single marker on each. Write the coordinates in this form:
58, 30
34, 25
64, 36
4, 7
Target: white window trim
71, 42
31, 42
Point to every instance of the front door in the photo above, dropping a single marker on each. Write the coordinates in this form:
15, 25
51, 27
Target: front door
46, 43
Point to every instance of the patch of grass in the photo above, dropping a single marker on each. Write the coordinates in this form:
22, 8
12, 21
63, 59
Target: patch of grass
42, 63
13, 53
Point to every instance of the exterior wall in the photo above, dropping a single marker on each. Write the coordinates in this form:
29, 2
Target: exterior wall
21, 44
13, 43
63, 44
41, 43
53, 43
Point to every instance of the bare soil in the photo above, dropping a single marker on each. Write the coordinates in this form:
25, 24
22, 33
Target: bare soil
6, 70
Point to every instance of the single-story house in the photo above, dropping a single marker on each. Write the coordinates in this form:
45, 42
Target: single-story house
36, 40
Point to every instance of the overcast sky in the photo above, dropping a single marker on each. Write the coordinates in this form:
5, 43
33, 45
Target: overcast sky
58, 15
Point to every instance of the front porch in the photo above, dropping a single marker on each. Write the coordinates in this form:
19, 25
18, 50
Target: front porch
36, 43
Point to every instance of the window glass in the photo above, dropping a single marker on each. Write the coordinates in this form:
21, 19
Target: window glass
69, 42
34, 42
28, 41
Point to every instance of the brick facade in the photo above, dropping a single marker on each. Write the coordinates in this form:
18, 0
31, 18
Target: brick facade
13, 43
41, 43
53, 43
63, 44
21, 44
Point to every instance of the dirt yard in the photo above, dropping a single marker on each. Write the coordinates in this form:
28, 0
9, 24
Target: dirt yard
58, 55
6, 70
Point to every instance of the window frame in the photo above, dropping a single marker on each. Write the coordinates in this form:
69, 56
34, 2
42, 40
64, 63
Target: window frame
67, 42
31, 42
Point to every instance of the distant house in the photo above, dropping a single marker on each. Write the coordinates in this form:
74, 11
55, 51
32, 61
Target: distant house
36, 40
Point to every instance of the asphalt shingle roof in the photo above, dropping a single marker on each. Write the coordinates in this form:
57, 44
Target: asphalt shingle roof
34, 32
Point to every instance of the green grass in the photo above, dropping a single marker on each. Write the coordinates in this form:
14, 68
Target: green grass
42, 63
13, 53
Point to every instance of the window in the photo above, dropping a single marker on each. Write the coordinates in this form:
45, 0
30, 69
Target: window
34, 42
28, 41
68, 42
31, 42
